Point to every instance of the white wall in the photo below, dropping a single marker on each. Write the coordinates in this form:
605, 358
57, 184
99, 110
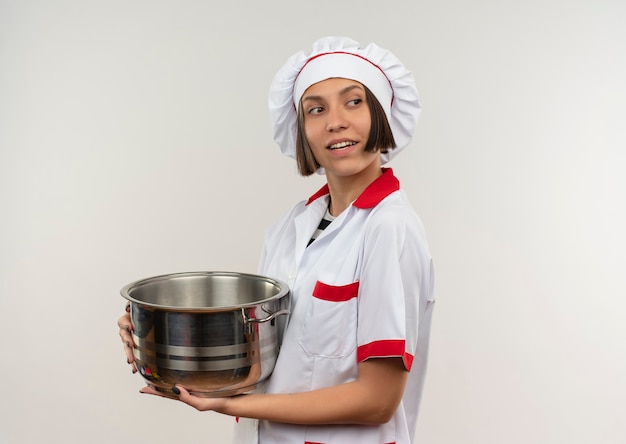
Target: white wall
135, 141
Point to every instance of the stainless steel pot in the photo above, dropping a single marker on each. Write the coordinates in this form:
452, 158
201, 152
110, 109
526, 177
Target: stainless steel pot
215, 333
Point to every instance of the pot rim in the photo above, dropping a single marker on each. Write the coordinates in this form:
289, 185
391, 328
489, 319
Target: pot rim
127, 289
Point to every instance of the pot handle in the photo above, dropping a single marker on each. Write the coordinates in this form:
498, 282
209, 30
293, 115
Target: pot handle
269, 318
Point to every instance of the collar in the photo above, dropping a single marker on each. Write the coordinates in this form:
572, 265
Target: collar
375, 192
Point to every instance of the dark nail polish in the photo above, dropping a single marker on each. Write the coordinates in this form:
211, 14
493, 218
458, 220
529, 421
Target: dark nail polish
175, 390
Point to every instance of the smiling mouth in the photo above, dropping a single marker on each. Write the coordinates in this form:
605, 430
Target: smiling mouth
338, 146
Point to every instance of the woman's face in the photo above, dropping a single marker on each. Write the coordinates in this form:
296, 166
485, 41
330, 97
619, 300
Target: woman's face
337, 123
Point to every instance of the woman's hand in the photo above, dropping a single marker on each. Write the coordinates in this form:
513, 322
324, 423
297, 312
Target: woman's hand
200, 404
126, 327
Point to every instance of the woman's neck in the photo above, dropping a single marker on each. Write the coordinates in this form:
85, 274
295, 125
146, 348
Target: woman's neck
345, 189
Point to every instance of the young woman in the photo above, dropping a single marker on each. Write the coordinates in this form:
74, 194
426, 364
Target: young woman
353, 358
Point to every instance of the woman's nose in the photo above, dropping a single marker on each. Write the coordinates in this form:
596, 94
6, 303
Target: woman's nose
335, 120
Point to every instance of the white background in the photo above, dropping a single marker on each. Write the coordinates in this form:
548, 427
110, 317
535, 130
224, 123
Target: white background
135, 141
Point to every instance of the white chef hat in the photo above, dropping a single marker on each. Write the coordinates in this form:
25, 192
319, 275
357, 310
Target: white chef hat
375, 67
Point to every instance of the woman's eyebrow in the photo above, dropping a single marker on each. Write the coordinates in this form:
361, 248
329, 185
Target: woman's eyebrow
315, 98
344, 91
347, 89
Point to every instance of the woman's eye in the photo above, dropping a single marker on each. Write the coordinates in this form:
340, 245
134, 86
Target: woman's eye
316, 110
355, 102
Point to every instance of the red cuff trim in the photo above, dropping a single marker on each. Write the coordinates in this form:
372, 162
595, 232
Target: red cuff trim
336, 293
385, 349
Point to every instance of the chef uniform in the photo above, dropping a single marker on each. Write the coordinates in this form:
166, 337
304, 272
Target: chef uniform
364, 287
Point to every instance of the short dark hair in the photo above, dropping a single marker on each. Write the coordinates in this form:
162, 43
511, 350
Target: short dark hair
379, 138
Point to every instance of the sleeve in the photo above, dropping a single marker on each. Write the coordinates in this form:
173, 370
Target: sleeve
395, 275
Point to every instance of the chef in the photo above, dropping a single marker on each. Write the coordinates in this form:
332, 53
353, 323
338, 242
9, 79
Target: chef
352, 363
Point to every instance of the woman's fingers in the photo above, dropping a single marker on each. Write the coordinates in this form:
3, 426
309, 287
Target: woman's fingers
126, 327
125, 322
201, 404
151, 390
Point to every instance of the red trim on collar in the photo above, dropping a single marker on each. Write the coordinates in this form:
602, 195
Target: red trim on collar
321, 192
382, 187
375, 192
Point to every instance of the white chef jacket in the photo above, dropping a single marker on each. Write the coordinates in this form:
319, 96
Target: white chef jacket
363, 289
